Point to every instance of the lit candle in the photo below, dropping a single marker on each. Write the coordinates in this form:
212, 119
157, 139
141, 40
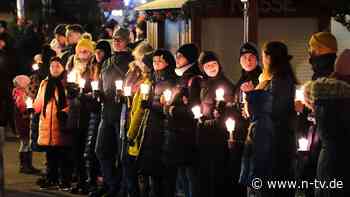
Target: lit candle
299, 94
29, 103
196, 110
303, 144
220, 93
35, 67
82, 83
71, 78
230, 126
167, 95
145, 88
119, 84
127, 91
94, 85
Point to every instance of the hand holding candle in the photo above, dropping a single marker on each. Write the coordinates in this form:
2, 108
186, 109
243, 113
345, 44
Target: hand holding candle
119, 84
127, 91
303, 144
145, 88
167, 95
29, 103
220, 93
94, 85
230, 125
196, 110
71, 78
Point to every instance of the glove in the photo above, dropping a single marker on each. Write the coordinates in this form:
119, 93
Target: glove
30, 110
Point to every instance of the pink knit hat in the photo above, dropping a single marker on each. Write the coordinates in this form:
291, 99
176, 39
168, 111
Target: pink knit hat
21, 81
342, 65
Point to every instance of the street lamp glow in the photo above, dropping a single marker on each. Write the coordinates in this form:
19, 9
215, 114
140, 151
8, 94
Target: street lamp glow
94, 85
196, 110
126, 2
220, 93
143, 1
167, 95
119, 84
29, 103
244, 1
303, 144
117, 12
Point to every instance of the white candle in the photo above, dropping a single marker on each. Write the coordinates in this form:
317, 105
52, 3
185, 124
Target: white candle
82, 83
303, 144
167, 95
299, 94
230, 125
29, 103
127, 91
145, 88
71, 78
220, 93
35, 67
119, 84
196, 110
94, 85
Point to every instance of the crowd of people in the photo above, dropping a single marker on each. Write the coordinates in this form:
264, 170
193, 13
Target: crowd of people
116, 117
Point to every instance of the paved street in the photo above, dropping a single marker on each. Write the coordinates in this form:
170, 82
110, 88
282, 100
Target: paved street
21, 185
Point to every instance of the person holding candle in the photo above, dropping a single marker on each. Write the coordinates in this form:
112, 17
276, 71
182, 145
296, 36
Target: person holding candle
329, 99
270, 145
102, 52
182, 151
212, 134
22, 121
322, 48
107, 142
51, 103
80, 65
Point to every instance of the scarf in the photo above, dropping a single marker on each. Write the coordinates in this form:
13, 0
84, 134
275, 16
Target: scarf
52, 84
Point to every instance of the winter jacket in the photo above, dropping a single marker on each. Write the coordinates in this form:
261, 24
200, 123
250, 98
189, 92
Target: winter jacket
270, 145
114, 68
182, 125
134, 133
331, 98
50, 133
21, 115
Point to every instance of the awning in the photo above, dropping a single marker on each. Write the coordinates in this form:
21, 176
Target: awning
161, 4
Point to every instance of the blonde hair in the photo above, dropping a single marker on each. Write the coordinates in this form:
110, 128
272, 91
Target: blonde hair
141, 50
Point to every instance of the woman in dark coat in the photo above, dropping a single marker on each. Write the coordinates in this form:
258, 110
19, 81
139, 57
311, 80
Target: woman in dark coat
270, 146
329, 98
212, 135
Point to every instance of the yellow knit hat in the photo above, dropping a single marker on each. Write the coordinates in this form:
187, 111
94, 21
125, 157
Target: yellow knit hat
323, 39
85, 43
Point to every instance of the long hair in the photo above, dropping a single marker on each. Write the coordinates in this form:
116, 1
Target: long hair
280, 65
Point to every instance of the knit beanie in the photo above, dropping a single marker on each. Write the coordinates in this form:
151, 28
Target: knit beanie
189, 51
249, 47
324, 39
104, 46
122, 33
85, 43
207, 56
342, 65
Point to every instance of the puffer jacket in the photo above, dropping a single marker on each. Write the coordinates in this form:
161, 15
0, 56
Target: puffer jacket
50, 133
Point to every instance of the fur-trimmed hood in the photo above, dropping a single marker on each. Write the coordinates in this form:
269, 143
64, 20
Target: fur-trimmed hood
326, 88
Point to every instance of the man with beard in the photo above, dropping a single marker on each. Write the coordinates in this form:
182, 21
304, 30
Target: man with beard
323, 53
